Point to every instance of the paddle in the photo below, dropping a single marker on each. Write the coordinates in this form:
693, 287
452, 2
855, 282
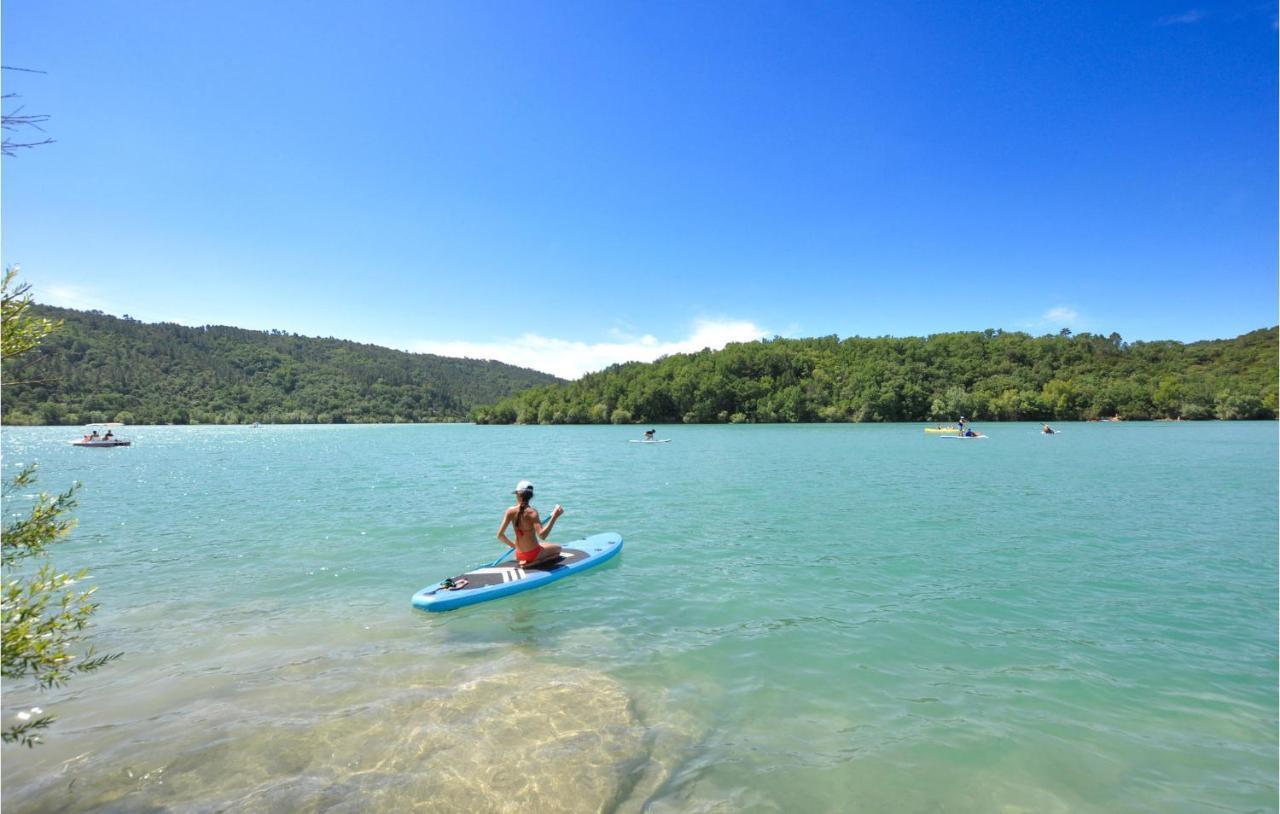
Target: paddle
500, 559
448, 583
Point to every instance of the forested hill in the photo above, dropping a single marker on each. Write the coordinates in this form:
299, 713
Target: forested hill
104, 368
985, 376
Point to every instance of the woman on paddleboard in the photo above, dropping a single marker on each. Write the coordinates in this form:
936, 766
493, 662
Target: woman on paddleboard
529, 529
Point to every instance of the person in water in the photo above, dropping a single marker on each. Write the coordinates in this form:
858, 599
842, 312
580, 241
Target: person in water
1048, 430
526, 522
648, 435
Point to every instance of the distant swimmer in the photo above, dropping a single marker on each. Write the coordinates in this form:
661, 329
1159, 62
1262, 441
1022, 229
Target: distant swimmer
1048, 430
524, 519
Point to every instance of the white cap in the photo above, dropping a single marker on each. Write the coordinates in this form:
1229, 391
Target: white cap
523, 486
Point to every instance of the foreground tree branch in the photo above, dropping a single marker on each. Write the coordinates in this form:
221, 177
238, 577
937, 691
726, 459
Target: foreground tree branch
16, 121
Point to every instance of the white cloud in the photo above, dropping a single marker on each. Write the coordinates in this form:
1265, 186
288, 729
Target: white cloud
1058, 317
68, 296
570, 359
1061, 315
1186, 18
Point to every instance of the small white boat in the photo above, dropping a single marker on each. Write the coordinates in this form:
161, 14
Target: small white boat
107, 439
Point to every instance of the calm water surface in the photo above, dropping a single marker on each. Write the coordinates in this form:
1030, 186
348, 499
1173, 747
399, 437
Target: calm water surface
804, 618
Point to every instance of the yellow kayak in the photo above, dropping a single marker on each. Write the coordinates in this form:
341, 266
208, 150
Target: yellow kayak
952, 430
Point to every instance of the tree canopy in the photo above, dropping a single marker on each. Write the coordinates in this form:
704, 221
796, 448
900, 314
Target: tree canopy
104, 368
987, 375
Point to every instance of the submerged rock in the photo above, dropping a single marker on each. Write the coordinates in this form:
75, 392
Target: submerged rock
517, 736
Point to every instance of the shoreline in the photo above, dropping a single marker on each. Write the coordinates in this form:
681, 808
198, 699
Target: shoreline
260, 425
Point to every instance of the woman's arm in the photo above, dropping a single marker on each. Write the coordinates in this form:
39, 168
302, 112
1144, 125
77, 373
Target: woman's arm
502, 530
545, 531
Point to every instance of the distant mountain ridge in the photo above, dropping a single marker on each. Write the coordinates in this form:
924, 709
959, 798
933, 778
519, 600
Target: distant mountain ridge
106, 368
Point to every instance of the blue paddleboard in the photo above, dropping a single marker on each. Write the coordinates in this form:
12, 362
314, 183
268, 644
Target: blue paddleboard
494, 581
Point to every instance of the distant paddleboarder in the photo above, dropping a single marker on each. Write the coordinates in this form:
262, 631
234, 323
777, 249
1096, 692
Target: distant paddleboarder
648, 435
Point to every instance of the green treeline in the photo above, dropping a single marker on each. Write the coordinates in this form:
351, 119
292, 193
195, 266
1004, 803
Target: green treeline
990, 375
104, 368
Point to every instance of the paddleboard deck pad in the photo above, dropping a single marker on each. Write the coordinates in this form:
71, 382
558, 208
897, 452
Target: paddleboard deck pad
504, 579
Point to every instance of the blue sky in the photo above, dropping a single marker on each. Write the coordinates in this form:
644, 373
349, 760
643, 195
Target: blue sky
564, 185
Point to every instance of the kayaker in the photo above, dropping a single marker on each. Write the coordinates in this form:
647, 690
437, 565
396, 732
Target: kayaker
529, 529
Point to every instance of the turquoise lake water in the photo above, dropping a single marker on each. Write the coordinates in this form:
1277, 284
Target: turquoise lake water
823, 618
